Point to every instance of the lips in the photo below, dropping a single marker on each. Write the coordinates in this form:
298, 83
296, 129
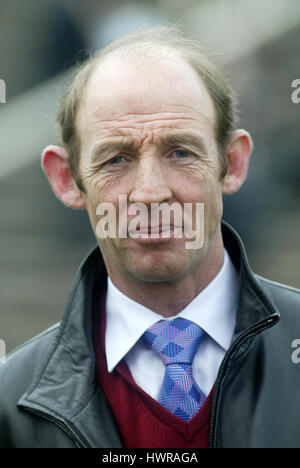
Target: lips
161, 231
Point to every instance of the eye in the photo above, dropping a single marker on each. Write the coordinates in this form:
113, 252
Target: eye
181, 153
116, 160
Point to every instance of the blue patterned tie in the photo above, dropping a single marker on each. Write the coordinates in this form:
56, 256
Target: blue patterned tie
176, 342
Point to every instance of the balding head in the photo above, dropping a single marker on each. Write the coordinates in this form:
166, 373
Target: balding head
152, 46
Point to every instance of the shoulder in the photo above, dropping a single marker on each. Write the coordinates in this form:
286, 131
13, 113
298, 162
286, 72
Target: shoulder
17, 374
279, 291
27, 357
286, 299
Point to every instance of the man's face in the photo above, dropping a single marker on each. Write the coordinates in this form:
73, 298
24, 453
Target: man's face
147, 132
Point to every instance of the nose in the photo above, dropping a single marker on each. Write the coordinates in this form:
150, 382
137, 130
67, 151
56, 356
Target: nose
150, 184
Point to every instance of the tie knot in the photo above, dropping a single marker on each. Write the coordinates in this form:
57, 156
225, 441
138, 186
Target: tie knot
175, 341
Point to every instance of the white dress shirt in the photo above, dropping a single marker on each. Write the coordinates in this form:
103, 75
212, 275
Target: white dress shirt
214, 310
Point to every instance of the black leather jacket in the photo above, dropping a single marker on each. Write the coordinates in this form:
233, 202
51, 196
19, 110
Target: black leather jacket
49, 395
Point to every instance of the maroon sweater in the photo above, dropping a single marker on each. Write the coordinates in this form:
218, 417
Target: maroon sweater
142, 421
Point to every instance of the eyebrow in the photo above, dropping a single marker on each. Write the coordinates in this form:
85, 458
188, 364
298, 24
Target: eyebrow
186, 139
111, 147
166, 141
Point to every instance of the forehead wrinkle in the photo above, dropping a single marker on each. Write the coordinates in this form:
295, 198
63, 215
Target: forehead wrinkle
140, 127
163, 141
132, 137
149, 117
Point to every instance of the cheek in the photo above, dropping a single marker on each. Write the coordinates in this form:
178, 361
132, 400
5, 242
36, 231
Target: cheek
213, 195
206, 191
94, 197
98, 193
91, 210
195, 189
213, 209
108, 187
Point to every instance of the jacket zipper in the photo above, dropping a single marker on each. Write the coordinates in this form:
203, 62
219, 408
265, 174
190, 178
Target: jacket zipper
264, 324
63, 426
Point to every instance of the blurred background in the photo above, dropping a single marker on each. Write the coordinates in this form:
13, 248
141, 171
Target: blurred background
42, 243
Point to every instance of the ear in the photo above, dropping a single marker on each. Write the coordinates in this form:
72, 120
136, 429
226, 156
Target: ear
56, 167
238, 154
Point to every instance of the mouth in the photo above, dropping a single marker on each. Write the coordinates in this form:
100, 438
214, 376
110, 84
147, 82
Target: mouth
161, 233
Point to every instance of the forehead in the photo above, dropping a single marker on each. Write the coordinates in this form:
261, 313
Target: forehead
143, 91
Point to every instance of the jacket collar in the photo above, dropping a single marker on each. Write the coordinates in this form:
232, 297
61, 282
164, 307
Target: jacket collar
254, 305
65, 389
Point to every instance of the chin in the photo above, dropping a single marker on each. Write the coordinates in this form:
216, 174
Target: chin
165, 271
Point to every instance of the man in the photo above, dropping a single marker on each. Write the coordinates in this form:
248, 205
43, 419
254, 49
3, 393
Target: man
151, 120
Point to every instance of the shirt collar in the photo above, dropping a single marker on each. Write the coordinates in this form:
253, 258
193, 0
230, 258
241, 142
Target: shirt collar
214, 310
